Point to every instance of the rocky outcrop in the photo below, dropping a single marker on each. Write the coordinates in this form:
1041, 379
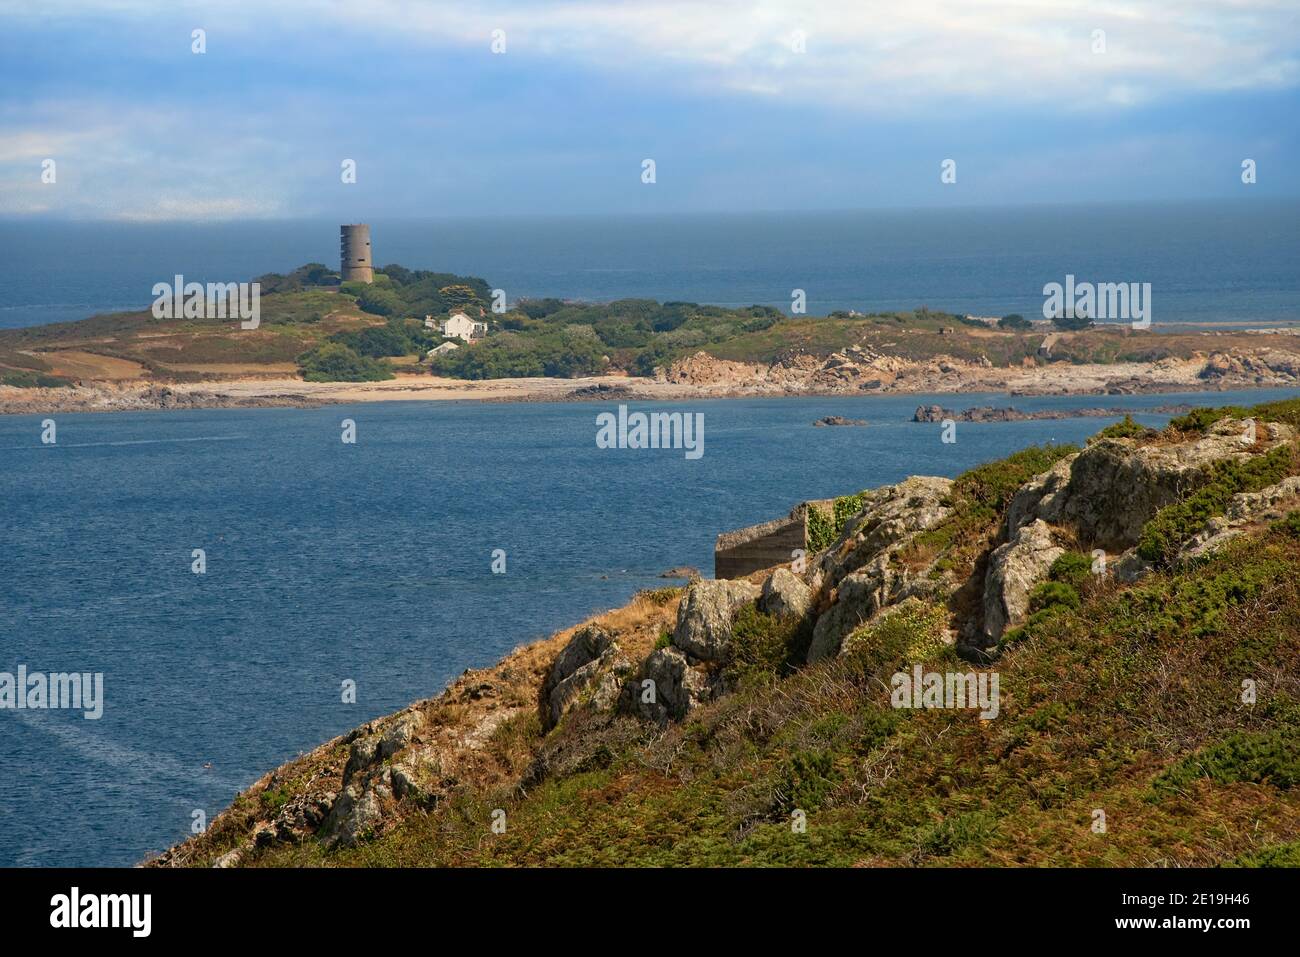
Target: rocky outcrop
889, 518
1244, 510
705, 617
859, 576
590, 664
1013, 571
674, 687
838, 420
987, 413
785, 595
1109, 491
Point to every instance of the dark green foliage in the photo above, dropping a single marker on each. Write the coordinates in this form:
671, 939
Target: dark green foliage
807, 781
32, 380
993, 484
1257, 757
566, 353
397, 337
1072, 568
1053, 594
1075, 323
1290, 525
764, 647
1278, 855
304, 277
1014, 321
1125, 429
824, 530
335, 362
1200, 419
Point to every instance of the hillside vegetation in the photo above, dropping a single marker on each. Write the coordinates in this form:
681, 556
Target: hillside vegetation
1149, 711
314, 326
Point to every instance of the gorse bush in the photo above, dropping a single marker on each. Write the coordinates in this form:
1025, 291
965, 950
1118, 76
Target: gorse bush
764, 646
1124, 429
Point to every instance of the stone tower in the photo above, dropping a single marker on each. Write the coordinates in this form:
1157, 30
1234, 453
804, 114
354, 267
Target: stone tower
354, 249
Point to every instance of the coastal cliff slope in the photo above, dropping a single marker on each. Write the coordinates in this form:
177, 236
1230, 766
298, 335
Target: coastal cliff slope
1129, 611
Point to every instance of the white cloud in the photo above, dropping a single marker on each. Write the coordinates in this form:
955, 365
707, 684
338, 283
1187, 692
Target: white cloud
863, 54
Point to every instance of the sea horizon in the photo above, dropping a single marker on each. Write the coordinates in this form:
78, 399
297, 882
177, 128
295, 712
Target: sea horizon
1209, 261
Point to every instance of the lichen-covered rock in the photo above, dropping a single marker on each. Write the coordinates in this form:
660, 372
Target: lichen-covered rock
303, 814
706, 614
860, 597
1013, 571
589, 668
785, 594
603, 678
1129, 567
587, 644
359, 812
1041, 495
400, 733
364, 753
889, 518
859, 573
676, 687
1244, 509
1111, 489
413, 776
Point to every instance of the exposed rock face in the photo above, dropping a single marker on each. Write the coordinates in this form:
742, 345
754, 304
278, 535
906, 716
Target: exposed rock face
302, 815
889, 518
358, 812
1109, 491
1013, 570
591, 661
859, 573
677, 688
1243, 510
705, 617
784, 594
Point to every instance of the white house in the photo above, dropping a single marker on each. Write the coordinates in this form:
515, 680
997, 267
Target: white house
441, 350
462, 327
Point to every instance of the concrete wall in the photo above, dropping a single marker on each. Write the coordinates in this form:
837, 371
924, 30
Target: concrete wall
747, 550
354, 254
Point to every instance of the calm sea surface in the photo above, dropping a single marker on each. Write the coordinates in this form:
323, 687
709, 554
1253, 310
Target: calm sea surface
1206, 262
370, 561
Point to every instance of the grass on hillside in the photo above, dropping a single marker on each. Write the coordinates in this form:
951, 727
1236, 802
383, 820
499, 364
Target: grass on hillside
1139, 726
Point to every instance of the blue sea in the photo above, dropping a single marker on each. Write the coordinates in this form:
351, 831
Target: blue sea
371, 562
1207, 262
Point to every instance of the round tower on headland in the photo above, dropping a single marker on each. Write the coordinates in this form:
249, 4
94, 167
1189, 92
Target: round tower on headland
354, 249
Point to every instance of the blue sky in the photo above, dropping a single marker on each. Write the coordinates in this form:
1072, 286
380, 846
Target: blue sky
719, 95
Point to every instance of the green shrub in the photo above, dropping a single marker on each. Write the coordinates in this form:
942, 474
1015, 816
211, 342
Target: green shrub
1200, 419
764, 646
335, 362
807, 780
1073, 568
33, 380
825, 529
1125, 429
1053, 594
1256, 757
1290, 525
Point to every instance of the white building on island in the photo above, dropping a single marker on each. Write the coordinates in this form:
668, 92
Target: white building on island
460, 326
